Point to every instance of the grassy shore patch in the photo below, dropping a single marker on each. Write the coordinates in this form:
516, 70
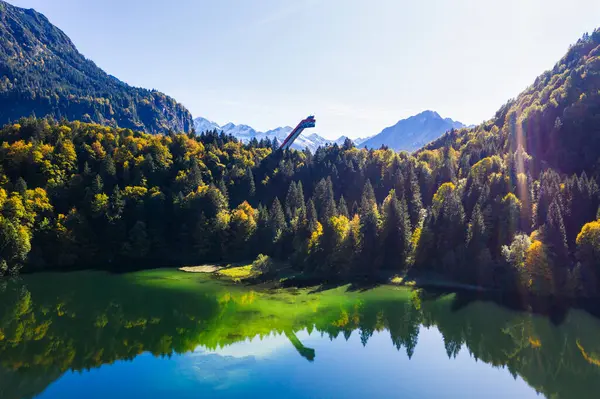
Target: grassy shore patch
200, 269
237, 273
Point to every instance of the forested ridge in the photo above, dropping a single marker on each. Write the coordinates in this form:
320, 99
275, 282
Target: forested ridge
42, 73
511, 203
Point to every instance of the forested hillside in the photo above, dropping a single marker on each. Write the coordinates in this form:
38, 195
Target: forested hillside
556, 120
511, 204
42, 73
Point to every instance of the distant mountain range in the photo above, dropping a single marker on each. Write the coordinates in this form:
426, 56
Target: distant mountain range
42, 73
412, 133
246, 133
408, 134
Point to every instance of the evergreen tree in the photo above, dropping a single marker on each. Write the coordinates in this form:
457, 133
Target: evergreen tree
295, 208
342, 208
109, 166
276, 220
311, 215
368, 198
97, 185
324, 200
21, 187
549, 189
395, 233
194, 178
116, 204
413, 191
555, 236
251, 188
224, 191
477, 237
369, 217
290, 202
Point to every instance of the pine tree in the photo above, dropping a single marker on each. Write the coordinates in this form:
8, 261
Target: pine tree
395, 233
324, 200
476, 233
87, 171
329, 207
311, 215
109, 166
97, 185
290, 203
405, 230
299, 201
21, 187
415, 204
549, 190
263, 236
368, 198
276, 219
275, 144
295, 209
223, 189
342, 208
369, 218
194, 177
250, 183
554, 235
116, 204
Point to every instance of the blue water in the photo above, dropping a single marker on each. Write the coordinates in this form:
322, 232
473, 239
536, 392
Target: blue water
164, 334
271, 368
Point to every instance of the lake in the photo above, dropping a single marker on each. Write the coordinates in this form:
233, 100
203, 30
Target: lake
165, 333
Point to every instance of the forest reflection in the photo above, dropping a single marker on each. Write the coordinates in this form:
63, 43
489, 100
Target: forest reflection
50, 324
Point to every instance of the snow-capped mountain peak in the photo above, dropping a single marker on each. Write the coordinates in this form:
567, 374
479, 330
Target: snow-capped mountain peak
246, 133
203, 125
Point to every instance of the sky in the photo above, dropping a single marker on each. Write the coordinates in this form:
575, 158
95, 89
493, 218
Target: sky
358, 66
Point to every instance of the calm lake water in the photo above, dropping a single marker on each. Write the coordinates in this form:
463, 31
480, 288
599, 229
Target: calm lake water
165, 333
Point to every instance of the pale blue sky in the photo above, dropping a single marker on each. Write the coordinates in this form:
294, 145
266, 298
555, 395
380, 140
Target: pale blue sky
359, 66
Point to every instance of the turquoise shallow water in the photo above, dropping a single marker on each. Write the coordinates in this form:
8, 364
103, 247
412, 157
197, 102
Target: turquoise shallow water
167, 334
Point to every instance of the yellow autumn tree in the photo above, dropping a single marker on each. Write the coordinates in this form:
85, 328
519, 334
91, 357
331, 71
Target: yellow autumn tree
537, 274
588, 245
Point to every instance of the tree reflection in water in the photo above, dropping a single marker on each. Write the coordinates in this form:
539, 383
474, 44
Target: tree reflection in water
52, 323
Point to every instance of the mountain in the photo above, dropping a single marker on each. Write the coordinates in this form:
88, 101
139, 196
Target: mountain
340, 140
42, 72
246, 133
203, 125
361, 140
412, 133
556, 120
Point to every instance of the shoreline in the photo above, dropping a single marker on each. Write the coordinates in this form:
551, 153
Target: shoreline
420, 281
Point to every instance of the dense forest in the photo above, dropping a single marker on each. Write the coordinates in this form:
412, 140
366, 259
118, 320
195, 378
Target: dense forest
42, 73
511, 203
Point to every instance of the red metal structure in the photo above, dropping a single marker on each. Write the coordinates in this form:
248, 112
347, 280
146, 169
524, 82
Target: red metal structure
304, 123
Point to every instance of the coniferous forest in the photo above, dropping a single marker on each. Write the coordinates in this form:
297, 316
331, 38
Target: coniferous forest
157, 255
510, 204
